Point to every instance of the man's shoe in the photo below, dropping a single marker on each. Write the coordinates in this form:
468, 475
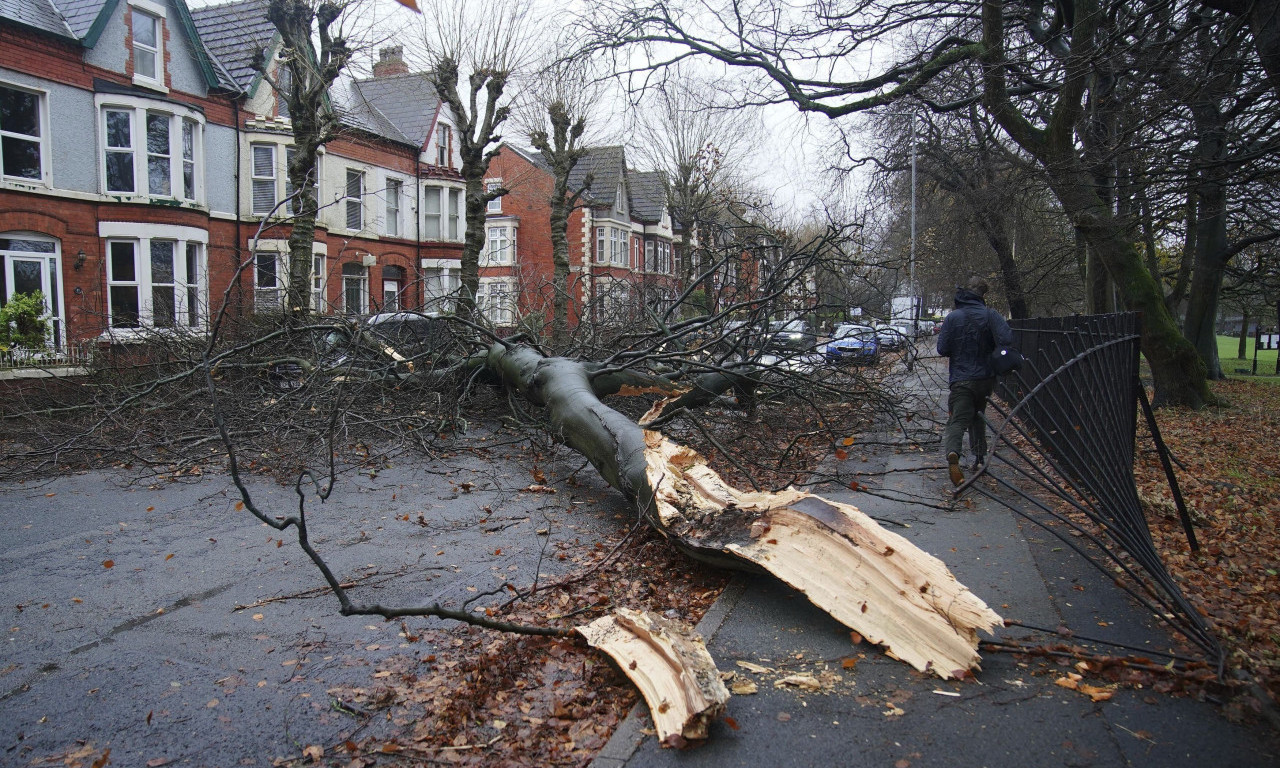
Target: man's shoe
953, 466
977, 464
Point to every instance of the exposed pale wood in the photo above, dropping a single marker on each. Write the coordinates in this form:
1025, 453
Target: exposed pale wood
671, 667
870, 579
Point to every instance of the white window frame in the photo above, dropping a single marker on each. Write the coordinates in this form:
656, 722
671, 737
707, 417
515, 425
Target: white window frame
440, 281
41, 138
499, 246
264, 181
139, 110
457, 230
496, 300
270, 298
494, 205
156, 12
433, 213
394, 202
444, 155
602, 256
353, 204
141, 236
361, 284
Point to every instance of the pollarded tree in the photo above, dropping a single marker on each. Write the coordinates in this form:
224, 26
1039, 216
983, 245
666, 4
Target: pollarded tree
309, 72
564, 96
474, 50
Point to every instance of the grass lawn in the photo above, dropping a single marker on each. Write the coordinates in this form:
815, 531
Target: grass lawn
1228, 346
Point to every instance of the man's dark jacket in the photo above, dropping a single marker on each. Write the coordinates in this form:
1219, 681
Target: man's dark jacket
970, 333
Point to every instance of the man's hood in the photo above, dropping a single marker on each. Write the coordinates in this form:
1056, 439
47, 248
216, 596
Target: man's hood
966, 297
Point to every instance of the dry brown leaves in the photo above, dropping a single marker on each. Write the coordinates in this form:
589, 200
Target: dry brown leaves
475, 697
1229, 474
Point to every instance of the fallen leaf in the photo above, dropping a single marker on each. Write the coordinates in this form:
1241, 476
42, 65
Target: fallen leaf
108, 563
212, 703
169, 556
101, 761
156, 762
257, 617
1067, 683
783, 717
314, 751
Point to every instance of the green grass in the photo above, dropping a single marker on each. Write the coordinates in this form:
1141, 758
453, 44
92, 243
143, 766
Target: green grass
1228, 346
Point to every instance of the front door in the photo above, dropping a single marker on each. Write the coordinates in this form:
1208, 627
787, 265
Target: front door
31, 265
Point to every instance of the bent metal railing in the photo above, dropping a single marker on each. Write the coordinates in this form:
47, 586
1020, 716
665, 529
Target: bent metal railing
1067, 432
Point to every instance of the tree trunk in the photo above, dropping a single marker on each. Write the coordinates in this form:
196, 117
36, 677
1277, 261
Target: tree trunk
874, 581
1242, 350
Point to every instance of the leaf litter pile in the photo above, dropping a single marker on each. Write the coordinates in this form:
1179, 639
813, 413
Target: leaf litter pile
1228, 468
468, 696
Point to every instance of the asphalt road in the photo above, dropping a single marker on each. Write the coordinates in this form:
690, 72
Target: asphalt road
155, 659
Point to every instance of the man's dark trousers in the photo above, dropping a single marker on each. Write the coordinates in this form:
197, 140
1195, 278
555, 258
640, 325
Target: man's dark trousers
967, 401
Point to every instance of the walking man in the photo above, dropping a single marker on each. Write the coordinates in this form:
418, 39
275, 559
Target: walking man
970, 333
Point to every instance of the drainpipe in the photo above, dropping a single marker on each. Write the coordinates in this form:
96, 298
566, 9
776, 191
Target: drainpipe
235, 104
417, 229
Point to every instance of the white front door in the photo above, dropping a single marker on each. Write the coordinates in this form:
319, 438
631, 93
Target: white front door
30, 265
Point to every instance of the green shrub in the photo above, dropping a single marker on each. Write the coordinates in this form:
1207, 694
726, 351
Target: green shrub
22, 323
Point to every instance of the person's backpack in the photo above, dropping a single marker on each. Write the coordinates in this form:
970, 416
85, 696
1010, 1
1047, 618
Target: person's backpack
1002, 360
1005, 360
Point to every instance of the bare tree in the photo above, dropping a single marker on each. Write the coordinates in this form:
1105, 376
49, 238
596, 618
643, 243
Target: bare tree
474, 49
310, 72
701, 149
564, 98
1040, 64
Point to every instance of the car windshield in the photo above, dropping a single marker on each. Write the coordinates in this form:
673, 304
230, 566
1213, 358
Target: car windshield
845, 331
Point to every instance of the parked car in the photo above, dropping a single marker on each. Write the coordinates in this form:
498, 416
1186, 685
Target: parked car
790, 336
891, 337
389, 345
852, 343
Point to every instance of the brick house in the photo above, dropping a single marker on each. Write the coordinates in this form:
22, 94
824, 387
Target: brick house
620, 240
142, 164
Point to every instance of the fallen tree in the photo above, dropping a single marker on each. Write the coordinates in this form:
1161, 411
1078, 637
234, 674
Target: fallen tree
873, 581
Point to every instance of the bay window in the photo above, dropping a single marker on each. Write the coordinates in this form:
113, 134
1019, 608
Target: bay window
497, 300
152, 152
156, 280
498, 249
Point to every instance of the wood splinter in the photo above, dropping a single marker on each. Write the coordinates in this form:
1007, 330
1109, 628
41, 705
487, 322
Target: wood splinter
670, 665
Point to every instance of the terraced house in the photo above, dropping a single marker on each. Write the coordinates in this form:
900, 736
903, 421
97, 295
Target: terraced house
142, 182
621, 255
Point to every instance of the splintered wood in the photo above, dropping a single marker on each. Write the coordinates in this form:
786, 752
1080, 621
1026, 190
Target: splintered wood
671, 667
874, 581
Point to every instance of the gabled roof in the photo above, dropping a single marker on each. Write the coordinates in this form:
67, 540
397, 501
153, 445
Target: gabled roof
86, 18
405, 104
355, 111
648, 195
531, 156
40, 15
607, 168
236, 34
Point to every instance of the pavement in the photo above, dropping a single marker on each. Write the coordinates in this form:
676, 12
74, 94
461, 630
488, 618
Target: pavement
875, 711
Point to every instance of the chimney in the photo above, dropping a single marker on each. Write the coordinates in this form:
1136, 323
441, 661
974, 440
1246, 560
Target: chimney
390, 62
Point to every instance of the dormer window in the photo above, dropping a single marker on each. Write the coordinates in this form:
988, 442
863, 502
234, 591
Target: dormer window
147, 34
621, 204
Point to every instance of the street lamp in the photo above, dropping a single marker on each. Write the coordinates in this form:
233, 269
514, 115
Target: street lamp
913, 294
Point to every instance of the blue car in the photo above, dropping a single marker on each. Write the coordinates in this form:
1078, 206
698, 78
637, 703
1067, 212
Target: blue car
852, 343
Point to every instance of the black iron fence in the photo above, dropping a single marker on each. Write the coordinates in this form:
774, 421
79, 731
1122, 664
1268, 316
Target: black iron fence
1063, 455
